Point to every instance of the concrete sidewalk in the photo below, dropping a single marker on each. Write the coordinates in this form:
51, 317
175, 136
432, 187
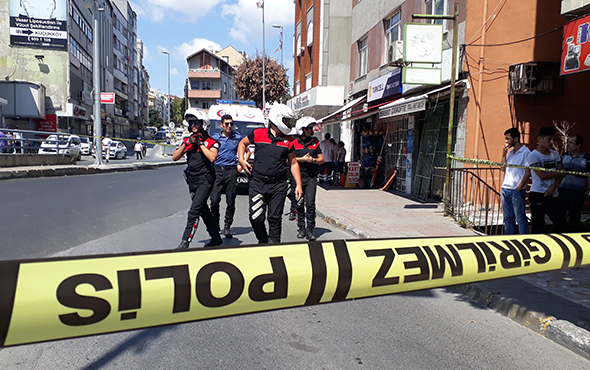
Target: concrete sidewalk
555, 305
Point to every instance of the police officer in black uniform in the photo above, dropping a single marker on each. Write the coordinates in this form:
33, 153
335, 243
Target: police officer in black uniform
274, 158
201, 152
310, 157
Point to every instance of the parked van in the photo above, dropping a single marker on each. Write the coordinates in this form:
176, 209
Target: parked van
246, 118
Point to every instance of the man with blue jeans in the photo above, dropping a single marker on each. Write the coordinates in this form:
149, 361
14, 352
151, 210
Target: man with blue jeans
513, 187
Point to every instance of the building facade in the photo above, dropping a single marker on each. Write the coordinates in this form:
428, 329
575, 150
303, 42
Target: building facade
63, 66
210, 78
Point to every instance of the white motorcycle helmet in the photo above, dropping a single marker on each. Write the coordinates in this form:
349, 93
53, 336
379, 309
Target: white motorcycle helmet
282, 116
304, 122
192, 114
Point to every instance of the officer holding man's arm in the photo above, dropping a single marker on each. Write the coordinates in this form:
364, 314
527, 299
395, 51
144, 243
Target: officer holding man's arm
275, 156
201, 152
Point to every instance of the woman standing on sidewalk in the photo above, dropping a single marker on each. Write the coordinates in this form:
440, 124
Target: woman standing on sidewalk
310, 157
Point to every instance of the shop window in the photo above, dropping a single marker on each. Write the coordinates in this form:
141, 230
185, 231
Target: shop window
297, 88
363, 47
308, 80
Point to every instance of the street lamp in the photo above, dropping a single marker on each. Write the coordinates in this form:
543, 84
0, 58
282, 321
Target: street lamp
280, 41
168, 111
260, 4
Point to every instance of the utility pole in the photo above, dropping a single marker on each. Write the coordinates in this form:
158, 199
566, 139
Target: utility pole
263, 61
96, 83
455, 19
169, 111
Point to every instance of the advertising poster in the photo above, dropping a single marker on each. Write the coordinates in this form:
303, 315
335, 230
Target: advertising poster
39, 23
575, 49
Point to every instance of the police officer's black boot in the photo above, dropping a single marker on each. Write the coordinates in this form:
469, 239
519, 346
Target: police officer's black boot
183, 245
309, 234
292, 215
215, 241
226, 232
302, 233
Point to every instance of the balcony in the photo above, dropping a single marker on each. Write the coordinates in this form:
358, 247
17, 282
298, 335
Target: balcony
204, 73
204, 94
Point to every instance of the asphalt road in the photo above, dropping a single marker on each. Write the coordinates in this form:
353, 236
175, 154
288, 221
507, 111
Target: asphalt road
146, 210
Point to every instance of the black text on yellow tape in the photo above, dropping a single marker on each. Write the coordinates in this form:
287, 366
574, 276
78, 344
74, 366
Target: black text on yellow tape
59, 298
499, 164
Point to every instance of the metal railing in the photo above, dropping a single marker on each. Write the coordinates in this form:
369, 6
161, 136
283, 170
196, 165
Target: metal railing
475, 202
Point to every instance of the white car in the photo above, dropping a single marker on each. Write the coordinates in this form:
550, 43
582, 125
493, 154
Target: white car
62, 144
118, 150
86, 145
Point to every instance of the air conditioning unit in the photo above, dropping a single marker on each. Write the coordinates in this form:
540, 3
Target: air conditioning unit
395, 51
535, 78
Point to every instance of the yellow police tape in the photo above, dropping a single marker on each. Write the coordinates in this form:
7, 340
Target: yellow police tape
499, 164
57, 298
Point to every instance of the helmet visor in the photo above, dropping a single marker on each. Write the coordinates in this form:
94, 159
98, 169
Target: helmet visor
289, 122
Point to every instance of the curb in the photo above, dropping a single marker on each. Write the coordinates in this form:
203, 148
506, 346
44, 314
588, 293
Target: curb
82, 170
562, 332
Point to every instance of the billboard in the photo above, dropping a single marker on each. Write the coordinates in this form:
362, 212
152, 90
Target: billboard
39, 23
575, 49
385, 86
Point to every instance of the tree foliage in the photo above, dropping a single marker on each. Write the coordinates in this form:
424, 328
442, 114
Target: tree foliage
177, 110
155, 118
248, 80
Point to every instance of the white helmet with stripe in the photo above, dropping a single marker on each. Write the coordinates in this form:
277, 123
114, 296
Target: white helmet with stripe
196, 114
304, 122
283, 117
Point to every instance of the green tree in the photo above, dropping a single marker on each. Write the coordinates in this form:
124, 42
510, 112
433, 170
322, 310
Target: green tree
248, 80
177, 110
155, 118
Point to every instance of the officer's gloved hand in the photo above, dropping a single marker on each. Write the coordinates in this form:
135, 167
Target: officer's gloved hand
188, 142
199, 139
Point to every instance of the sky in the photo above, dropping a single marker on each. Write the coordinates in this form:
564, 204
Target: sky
183, 27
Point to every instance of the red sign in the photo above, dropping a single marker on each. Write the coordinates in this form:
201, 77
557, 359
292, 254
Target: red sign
107, 98
49, 124
575, 48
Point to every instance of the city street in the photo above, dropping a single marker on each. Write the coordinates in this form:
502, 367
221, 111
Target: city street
146, 210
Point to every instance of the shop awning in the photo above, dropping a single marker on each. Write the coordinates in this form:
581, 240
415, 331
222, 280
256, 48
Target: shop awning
347, 106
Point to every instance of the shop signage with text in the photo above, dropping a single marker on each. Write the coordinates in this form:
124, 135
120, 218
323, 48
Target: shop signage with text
107, 98
403, 108
575, 46
385, 86
354, 170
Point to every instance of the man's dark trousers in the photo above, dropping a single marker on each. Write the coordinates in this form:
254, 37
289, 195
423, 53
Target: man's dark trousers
200, 189
272, 196
225, 179
309, 185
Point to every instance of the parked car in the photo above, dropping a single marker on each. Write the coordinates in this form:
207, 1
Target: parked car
62, 144
118, 150
86, 145
161, 135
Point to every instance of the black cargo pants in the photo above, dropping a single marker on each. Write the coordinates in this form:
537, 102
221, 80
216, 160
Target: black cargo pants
225, 179
200, 188
269, 196
306, 208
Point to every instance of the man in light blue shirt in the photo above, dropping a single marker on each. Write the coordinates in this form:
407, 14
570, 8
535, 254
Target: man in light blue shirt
226, 172
513, 187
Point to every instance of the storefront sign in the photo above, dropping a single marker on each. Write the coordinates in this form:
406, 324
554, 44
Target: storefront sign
49, 124
354, 170
423, 43
39, 24
107, 98
575, 46
422, 76
385, 86
403, 108
300, 102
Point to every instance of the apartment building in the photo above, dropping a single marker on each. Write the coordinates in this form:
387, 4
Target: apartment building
210, 77
322, 58
48, 82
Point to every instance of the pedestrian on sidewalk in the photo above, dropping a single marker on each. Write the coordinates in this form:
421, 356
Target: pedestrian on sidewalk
274, 158
328, 151
137, 148
340, 157
543, 194
309, 156
514, 185
201, 152
573, 189
3, 142
226, 173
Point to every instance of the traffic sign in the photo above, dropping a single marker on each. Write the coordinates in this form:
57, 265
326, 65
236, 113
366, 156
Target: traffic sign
107, 98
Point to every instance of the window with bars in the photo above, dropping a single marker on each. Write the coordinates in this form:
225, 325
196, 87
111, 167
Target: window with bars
363, 47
